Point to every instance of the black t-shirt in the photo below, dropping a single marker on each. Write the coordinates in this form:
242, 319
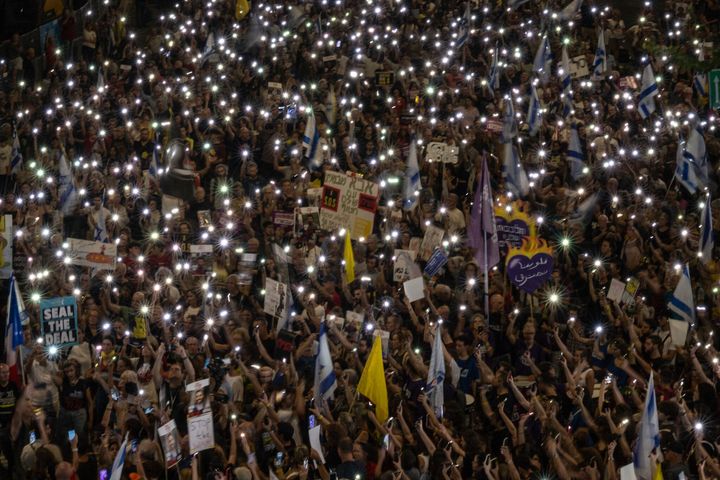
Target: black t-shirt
350, 470
8, 398
73, 396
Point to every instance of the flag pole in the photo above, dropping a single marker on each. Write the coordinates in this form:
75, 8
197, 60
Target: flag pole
487, 300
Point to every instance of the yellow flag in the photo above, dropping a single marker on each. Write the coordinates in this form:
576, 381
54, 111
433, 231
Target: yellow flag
372, 382
242, 8
658, 472
349, 258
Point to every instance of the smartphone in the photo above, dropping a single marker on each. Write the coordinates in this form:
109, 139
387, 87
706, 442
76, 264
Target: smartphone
149, 410
306, 464
33, 437
114, 394
386, 441
311, 421
278, 459
71, 435
103, 474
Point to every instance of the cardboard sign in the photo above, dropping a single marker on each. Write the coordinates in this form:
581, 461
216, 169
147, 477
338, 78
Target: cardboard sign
348, 202
384, 78
414, 289
616, 290
201, 433
87, 253
275, 298
58, 321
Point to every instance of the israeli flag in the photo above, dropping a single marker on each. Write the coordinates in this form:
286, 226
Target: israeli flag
646, 101
696, 152
566, 81
571, 10
700, 85
575, 156
649, 436
494, 77
101, 234
67, 193
685, 170
534, 115
325, 382
509, 130
543, 60
436, 376
119, 463
682, 306
600, 62
16, 158
516, 180
707, 238
311, 140
464, 29
412, 178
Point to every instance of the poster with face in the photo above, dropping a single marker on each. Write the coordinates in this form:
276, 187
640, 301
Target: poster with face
199, 395
170, 441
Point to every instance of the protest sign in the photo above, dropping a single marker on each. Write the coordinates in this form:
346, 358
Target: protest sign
432, 239
170, 443
6, 251
512, 225
531, 265
275, 298
201, 433
58, 321
437, 260
348, 202
442, 152
202, 260
87, 253
403, 260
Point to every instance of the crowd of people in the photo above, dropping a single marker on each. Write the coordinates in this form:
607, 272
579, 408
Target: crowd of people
180, 136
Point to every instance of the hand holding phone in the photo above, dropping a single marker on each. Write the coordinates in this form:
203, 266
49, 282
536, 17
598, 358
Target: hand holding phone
71, 435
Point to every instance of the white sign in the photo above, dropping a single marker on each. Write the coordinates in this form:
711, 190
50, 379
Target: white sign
170, 443
616, 290
578, 67
275, 298
348, 202
414, 289
87, 253
200, 384
442, 152
201, 433
403, 260
432, 239
314, 437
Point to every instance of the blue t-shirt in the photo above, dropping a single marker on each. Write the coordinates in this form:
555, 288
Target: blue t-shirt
469, 373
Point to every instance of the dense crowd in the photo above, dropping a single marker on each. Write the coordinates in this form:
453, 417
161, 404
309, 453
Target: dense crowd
188, 126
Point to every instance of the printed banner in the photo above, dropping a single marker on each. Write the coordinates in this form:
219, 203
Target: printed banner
531, 265
348, 202
87, 253
58, 321
201, 433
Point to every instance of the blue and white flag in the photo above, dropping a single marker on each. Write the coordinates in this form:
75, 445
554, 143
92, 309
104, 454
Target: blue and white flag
436, 375
325, 382
464, 27
67, 193
600, 62
566, 81
649, 88
311, 140
700, 85
119, 463
585, 211
685, 169
648, 437
707, 237
16, 158
101, 234
154, 169
571, 10
534, 116
494, 77
543, 60
575, 156
509, 130
516, 180
16, 317
412, 178
682, 305
696, 152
